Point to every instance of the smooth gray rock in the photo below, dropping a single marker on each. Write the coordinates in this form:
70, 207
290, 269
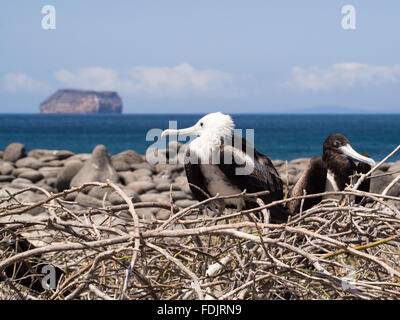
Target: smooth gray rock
21, 181
176, 195
143, 165
6, 178
48, 155
80, 156
185, 203
116, 199
49, 172
6, 168
98, 192
165, 186
71, 196
163, 214
97, 169
51, 182
154, 197
141, 186
14, 151
127, 177
129, 156
395, 166
120, 165
379, 184
54, 163
29, 162
31, 175
182, 182
44, 184
145, 178
142, 172
66, 174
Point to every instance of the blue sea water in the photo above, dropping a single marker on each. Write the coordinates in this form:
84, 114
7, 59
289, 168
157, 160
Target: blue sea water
283, 137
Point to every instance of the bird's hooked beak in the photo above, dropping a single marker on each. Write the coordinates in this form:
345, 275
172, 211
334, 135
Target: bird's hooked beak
187, 131
348, 151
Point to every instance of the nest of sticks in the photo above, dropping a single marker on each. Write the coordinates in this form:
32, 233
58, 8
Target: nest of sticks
335, 250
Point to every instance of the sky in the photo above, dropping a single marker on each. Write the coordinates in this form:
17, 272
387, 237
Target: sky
186, 56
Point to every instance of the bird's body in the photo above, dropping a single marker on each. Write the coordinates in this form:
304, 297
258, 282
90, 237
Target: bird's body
218, 162
331, 173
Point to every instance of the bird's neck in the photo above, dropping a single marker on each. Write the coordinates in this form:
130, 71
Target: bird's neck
207, 146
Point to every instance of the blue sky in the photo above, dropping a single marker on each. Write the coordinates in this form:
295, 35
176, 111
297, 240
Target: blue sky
204, 56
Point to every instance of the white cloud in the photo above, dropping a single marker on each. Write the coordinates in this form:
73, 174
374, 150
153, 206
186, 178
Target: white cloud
21, 82
343, 75
181, 80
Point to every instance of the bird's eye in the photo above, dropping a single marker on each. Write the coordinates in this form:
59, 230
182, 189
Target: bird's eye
201, 124
337, 143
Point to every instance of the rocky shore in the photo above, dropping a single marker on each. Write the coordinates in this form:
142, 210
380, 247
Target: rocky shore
58, 170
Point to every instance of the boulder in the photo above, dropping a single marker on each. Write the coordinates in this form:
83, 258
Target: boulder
380, 183
97, 169
141, 186
120, 165
165, 186
13, 152
129, 156
48, 155
116, 199
176, 195
154, 197
6, 168
49, 172
66, 174
143, 165
6, 178
127, 177
31, 175
99, 193
185, 203
29, 162
21, 181
139, 173
163, 214
80, 156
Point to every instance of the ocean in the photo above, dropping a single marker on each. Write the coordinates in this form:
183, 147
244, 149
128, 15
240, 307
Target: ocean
284, 137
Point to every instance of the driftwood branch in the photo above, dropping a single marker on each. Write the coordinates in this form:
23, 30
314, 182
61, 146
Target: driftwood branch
335, 250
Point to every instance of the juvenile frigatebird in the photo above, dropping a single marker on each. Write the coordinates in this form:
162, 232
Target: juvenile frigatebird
219, 162
331, 173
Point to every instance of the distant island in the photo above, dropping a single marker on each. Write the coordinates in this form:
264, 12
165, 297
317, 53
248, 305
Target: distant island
82, 101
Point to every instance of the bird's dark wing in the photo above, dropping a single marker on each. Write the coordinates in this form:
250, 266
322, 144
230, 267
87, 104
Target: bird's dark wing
263, 175
195, 179
313, 180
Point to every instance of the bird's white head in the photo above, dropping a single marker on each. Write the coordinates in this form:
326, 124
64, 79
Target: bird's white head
215, 124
